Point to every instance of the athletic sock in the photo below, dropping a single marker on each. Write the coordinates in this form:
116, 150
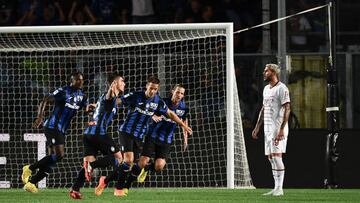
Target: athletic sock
44, 162
280, 171
134, 173
80, 180
124, 171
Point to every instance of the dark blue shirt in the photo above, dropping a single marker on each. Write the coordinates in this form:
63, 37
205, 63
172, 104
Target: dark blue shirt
103, 115
163, 131
141, 109
67, 101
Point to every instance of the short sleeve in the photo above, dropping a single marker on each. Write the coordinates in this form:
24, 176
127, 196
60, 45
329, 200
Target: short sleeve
84, 102
128, 99
162, 108
57, 94
284, 95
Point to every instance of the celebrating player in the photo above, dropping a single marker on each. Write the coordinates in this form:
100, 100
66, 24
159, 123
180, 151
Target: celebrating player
142, 106
275, 115
159, 138
96, 137
67, 101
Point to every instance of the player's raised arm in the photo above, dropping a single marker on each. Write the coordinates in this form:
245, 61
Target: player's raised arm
40, 113
258, 124
175, 118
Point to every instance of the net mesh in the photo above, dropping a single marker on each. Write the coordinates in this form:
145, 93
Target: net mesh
34, 64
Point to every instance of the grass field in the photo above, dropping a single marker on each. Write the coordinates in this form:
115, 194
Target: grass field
186, 196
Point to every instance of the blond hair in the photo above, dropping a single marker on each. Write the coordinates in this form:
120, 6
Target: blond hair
275, 68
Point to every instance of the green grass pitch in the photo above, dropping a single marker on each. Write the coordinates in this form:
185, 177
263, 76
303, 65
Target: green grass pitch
186, 196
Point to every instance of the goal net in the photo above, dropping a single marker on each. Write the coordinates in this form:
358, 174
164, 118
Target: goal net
37, 60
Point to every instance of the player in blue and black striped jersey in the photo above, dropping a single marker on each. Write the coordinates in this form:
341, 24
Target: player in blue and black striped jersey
159, 138
68, 100
96, 137
142, 106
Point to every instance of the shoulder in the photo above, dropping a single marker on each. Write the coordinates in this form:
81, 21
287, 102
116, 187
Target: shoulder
58, 90
81, 92
182, 104
128, 95
167, 101
282, 86
267, 87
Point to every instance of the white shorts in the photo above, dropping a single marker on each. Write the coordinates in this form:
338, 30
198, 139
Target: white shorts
270, 147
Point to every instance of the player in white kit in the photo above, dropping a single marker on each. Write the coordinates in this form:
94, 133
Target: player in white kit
275, 115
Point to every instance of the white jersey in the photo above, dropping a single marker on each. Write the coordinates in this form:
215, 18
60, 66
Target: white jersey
274, 98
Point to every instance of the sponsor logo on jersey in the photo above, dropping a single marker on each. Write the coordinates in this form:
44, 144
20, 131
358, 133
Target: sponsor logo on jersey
168, 119
72, 106
148, 113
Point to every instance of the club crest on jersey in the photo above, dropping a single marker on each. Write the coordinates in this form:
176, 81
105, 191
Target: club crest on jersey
78, 98
152, 105
179, 112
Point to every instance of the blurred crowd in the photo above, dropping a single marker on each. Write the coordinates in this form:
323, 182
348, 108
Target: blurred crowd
83, 12
60, 12
306, 33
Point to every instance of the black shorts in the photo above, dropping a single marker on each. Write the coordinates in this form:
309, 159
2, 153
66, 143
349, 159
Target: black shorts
151, 146
129, 143
103, 143
53, 137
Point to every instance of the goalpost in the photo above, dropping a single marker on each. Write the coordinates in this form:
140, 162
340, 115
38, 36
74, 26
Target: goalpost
37, 60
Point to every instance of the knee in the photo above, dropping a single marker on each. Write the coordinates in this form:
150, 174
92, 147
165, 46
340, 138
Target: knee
143, 161
160, 165
128, 158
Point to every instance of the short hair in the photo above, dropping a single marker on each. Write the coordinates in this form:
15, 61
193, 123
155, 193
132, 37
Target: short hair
178, 85
153, 79
76, 74
113, 76
275, 68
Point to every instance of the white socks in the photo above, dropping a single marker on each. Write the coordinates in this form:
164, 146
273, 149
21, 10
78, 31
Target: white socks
274, 172
279, 172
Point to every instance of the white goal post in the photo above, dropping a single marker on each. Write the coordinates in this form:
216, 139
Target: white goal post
36, 60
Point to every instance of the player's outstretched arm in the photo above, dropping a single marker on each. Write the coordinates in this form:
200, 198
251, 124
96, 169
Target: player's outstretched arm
175, 118
258, 124
40, 113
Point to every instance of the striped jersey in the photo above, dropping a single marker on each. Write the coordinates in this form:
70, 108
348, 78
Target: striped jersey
163, 131
67, 101
274, 98
102, 117
141, 109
